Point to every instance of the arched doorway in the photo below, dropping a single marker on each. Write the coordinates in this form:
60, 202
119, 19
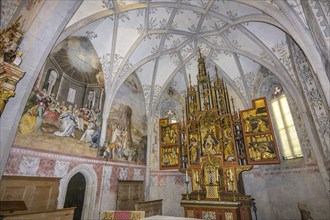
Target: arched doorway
75, 194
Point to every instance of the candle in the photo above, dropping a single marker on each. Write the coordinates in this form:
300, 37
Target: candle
187, 176
231, 175
197, 177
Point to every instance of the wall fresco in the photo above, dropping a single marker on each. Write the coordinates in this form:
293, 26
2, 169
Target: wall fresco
126, 132
63, 111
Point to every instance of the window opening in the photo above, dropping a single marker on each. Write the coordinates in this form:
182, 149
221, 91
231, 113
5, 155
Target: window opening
290, 146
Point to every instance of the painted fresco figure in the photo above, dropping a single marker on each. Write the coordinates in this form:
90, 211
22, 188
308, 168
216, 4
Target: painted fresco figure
52, 114
41, 96
90, 98
28, 121
87, 136
80, 120
85, 113
95, 138
40, 117
67, 124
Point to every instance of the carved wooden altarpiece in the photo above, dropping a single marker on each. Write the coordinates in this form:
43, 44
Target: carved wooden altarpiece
217, 145
169, 145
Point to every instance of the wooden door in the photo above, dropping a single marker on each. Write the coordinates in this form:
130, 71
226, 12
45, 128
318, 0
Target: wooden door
129, 193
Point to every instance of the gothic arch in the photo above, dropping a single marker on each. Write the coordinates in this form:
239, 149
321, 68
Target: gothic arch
90, 193
32, 64
173, 106
300, 34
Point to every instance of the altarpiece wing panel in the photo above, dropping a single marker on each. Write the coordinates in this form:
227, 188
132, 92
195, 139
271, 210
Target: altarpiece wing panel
258, 134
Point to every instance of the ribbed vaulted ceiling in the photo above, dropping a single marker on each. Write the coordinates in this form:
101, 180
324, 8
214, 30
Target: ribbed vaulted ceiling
159, 41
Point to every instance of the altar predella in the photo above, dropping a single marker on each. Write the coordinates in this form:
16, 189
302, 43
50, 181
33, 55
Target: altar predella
213, 144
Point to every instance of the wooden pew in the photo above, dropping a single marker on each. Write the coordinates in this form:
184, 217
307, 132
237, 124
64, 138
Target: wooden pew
57, 214
151, 208
11, 206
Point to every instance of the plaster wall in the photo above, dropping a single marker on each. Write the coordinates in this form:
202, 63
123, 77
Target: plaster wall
278, 190
168, 186
29, 162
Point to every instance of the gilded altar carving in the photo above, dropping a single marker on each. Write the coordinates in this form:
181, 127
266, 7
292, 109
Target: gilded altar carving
258, 134
218, 144
10, 59
9, 41
169, 144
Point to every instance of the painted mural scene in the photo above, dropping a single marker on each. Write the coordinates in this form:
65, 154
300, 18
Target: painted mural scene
164, 109
126, 136
66, 105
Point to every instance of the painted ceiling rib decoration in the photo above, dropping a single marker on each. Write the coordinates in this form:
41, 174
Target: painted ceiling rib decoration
159, 39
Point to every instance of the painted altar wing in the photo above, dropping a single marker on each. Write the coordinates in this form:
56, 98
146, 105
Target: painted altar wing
258, 134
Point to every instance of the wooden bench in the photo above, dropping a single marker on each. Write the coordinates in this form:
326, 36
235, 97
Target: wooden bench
11, 206
58, 214
151, 208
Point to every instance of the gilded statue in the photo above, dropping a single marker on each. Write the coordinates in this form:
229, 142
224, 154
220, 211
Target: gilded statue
209, 145
10, 58
9, 40
194, 152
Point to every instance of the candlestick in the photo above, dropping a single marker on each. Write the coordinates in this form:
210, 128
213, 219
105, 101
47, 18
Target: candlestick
187, 191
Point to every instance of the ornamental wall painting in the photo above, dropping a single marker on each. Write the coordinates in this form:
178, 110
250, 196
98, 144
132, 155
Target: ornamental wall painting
258, 134
169, 144
126, 137
63, 111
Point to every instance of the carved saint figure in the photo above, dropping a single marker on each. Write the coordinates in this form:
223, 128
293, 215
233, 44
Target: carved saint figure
210, 144
194, 152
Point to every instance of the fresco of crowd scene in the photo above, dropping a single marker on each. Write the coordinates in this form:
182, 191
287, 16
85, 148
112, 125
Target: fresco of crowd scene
44, 114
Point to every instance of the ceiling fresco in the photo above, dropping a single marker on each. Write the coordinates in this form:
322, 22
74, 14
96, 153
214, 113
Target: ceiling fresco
78, 59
